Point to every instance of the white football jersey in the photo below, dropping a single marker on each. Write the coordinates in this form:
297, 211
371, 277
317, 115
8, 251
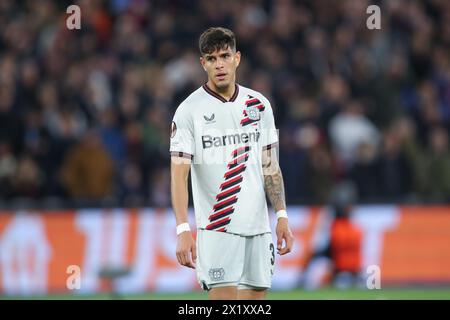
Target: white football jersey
225, 140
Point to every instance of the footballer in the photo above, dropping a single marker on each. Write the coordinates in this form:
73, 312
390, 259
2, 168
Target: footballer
225, 135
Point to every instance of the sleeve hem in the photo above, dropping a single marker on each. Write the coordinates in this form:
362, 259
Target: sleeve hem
181, 154
270, 146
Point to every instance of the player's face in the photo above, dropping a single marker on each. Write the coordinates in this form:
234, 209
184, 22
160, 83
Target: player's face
221, 67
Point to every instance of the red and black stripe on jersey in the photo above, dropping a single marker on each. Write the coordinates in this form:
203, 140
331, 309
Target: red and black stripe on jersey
225, 203
221, 214
241, 159
240, 151
247, 121
218, 224
229, 190
252, 102
230, 183
235, 171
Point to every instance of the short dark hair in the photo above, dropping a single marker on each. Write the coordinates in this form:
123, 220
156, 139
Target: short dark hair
216, 38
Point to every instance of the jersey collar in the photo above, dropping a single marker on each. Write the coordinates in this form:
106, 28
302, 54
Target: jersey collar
218, 96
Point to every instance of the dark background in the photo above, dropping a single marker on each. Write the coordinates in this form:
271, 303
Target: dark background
85, 114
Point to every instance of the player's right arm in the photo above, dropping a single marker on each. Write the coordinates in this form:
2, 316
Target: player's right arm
182, 151
186, 247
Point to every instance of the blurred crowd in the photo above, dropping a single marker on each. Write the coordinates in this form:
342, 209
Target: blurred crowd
85, 114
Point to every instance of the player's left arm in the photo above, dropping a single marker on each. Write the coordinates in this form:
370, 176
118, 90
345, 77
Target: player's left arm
274, 188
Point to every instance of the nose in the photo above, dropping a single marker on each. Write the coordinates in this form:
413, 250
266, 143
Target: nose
219, 64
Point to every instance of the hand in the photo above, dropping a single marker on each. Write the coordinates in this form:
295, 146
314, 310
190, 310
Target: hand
284, 233
185, 248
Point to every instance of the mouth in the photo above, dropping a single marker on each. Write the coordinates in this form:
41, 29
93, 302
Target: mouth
221, 76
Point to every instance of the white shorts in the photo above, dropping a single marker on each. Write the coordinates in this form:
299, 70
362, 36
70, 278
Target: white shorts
225, 259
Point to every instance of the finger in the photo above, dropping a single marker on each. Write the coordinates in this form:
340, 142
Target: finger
288, 245
289, 242
279, 242
189, 262
194, 253
283, 251
281, 248
190, 265
180, 261
185, 258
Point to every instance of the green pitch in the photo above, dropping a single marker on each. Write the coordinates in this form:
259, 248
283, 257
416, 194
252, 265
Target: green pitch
322, 294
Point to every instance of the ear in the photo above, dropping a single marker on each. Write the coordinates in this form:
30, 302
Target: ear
202, 62
238, 58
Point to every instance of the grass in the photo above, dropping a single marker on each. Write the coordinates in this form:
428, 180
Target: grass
321, 294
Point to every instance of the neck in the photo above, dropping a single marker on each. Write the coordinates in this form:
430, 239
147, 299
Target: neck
226, 92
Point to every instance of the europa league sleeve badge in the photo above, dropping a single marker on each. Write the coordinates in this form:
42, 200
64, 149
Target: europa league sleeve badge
173, 129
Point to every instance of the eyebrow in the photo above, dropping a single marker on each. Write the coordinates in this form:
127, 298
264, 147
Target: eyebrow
220, 55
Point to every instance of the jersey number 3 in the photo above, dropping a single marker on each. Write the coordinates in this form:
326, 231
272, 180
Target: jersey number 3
272, 250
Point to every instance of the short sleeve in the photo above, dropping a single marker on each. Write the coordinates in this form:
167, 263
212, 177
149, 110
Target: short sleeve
182, 134
269, 132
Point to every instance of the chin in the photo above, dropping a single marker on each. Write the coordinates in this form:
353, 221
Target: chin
223, 85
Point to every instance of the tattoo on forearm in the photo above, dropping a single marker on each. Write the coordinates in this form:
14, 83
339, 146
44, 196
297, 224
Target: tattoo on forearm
274, 187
